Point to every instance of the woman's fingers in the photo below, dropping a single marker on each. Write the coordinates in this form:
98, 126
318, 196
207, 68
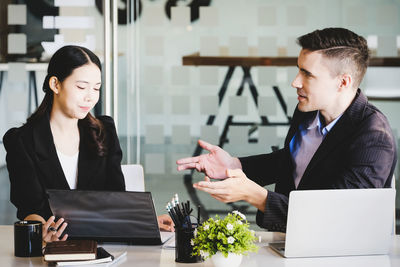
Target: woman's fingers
58, 223
52, 231
49, 222
165, 223
47, 237
61, 230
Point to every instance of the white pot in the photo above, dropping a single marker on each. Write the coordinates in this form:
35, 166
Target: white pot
233, 260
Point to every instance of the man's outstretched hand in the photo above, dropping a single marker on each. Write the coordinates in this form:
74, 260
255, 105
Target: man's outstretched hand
214, 164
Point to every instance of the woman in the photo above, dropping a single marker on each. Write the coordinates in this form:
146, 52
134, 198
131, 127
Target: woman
62, 146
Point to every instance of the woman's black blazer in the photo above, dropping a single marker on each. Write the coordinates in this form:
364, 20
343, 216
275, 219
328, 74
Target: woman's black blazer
33, 165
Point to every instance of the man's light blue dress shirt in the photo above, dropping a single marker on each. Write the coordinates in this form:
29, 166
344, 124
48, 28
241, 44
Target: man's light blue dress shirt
305, 142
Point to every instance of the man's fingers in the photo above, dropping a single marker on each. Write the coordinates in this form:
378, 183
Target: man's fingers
188, 160
207, 179
186, 166
206, 146
210, 190
234, 173
196, 166
209, 184
218, 197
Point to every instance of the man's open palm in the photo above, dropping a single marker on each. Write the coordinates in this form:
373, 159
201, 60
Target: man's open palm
214, 164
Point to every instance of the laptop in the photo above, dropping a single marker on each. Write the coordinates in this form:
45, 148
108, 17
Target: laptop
345, 222
108, 216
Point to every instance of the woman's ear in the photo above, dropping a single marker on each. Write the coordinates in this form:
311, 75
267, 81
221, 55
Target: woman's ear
54, 84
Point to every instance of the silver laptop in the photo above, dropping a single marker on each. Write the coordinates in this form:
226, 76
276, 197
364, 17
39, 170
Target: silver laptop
338, 223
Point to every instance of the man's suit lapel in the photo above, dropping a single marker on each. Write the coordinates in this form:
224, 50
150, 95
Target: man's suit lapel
298, 117
333, 138
342, 129
48, 162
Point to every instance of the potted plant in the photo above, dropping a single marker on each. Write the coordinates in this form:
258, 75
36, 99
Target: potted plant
225, 241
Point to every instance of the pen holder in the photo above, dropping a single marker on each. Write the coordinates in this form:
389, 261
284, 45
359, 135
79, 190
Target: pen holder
28, 239
183, 246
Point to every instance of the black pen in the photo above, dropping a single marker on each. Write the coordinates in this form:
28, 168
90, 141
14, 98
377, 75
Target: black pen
174, 217
170, 215
198, 215
176, 211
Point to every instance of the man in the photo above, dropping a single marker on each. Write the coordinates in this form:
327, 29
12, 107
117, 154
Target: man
337, 140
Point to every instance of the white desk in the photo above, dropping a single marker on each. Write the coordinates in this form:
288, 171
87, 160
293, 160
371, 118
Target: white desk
155, 256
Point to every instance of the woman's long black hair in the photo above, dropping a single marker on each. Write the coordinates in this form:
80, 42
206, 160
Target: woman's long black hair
61, 65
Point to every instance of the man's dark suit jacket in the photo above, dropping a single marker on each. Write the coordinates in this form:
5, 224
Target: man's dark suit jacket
358, 152
33, 165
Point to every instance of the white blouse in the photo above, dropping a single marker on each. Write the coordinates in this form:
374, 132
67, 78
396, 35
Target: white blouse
69, 165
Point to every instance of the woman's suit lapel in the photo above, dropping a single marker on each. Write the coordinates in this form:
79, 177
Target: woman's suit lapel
88, 164
48, 162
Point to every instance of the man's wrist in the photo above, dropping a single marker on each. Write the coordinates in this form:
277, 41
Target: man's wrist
257, 196
236, 164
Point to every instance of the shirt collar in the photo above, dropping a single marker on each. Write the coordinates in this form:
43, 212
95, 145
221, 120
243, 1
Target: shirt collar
317, 123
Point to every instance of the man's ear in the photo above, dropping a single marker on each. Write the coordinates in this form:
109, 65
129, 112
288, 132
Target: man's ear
54, 84
345, 81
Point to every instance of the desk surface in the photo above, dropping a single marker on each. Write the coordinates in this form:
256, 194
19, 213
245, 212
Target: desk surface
156, 256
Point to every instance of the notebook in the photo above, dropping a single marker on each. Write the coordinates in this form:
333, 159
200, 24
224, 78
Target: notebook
345, 222
107, 216
70, 250
102, 256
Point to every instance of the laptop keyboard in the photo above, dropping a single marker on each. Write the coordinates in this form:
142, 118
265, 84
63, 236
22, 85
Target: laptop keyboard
279, 246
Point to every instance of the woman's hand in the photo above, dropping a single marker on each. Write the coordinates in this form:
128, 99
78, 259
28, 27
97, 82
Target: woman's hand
52, 231
165, 223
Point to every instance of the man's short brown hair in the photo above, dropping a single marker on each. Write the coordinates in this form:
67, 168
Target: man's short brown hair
349, 49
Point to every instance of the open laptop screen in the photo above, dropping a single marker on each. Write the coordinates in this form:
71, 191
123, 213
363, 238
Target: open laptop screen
107, 215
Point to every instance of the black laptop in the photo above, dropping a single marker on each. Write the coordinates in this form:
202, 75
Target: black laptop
107, 216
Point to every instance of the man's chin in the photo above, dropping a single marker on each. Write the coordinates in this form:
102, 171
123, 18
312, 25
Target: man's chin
304, 108
301, 107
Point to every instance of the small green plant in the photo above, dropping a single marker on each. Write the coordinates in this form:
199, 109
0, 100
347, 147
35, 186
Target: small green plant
228, 235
